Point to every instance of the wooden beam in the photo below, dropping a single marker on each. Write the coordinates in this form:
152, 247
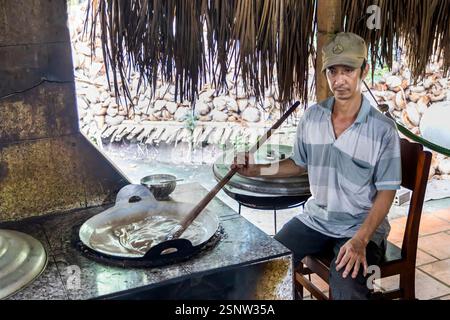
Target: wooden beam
329, 18
308, 285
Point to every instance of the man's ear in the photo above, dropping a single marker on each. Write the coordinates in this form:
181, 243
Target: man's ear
365, 72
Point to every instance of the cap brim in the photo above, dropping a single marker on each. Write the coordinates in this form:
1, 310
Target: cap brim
344, 61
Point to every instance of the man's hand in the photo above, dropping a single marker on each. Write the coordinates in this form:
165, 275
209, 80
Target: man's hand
351, 256
244, 163
353, 253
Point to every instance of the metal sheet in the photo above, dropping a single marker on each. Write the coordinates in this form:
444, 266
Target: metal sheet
292, 186
129, 229
22, 259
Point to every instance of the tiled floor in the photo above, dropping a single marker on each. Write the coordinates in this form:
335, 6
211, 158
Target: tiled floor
424, 258
443, 214
440, 270
433, 256
436, 245
427, 287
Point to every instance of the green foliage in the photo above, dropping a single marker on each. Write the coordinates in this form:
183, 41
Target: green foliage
190, 122
240, 144
379, 73
93, 140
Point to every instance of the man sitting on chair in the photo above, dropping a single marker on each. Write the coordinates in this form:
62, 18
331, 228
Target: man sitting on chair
352, 155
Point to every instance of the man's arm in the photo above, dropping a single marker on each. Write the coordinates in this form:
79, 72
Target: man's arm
379, 211
353, 253
387, 179
282, 169
294, 166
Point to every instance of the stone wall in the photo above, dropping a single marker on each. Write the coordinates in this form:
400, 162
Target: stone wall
101, 115
410, 103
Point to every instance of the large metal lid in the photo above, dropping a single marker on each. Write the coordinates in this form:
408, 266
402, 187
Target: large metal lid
22, 259
292, 186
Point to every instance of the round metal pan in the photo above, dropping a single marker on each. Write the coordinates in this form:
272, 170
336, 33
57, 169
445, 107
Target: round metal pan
292, 186
22, 260
135, 205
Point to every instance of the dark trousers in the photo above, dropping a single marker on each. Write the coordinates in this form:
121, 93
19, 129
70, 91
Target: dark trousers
304, 241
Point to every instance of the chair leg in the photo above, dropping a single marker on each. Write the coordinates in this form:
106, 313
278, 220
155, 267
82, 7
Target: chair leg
275, 219
299, 293
407, 285
299, 290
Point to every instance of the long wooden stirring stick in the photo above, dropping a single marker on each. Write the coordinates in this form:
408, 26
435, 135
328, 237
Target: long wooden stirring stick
193, 214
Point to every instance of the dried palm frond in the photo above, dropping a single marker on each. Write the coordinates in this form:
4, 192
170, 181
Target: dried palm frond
165, 39
188, 42
255, 32
219, 21
189, 48
159, 38
383, 42
426, 33
421, 27
245, 31
296, 48
263, 46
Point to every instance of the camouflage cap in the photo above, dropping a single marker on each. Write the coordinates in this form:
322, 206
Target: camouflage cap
346, 49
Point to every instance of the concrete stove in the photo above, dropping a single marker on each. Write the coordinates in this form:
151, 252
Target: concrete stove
244, 264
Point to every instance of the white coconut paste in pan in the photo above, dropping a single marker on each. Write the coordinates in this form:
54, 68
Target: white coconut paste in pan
138, 237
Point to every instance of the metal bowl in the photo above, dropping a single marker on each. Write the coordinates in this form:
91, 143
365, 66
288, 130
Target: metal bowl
160, 189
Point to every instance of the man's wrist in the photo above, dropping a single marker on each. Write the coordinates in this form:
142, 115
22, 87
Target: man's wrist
362, 238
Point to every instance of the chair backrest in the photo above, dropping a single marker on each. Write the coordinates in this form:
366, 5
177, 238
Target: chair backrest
415, 170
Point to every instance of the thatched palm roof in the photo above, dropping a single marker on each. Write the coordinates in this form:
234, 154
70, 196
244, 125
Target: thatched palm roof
166, 39
422, 27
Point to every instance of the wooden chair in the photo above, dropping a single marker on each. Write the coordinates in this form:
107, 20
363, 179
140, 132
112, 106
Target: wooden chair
415, 170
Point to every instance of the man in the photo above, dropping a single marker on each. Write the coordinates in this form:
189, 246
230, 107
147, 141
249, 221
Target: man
352, 155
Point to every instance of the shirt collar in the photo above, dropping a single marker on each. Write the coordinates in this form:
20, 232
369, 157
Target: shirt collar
327, 106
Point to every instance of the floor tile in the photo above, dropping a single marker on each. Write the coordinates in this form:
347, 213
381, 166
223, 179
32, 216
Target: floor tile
426, 287
423, 258
397, 230
438, 245
439, 270
443, 214
430, 224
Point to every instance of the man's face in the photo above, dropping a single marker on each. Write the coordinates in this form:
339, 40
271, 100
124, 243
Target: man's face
344, 81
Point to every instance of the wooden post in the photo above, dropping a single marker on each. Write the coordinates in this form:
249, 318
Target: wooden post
329, 18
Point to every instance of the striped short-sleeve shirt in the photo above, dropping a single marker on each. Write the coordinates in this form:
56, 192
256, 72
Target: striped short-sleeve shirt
346, 173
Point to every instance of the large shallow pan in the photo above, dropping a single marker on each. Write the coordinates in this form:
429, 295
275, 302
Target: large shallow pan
291, 186
136, 207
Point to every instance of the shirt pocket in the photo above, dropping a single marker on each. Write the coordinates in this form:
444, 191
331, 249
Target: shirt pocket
355, 176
